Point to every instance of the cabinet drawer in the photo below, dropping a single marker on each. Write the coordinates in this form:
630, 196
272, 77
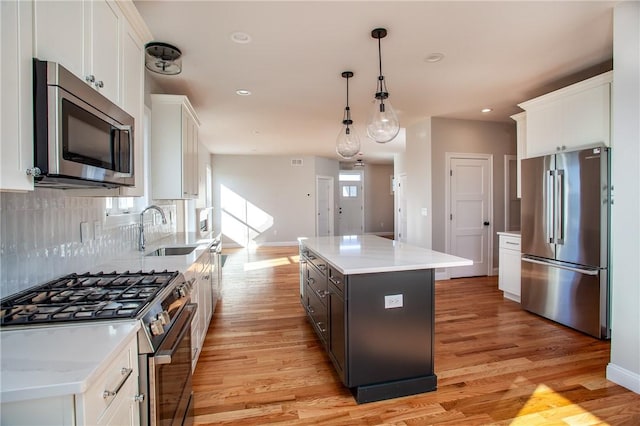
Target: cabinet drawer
316, 261
318, 313
337, 279
317, 283
112, 385
508, 242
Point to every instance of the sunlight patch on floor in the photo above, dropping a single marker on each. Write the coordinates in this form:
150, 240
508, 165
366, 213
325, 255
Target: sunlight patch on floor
269, 263
546, 406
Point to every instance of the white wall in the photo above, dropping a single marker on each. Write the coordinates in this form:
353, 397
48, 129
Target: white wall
271, 199
624, 367
416, 163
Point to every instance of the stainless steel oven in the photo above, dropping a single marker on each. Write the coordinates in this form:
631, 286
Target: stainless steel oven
169, 375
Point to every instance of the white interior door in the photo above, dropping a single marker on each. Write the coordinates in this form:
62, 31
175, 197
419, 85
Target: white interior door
351, 204
401, 208
470, 214
324, 206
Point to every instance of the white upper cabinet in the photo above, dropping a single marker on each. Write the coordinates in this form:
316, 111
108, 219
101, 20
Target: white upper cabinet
570, 118
174, 148
84, 37
521, 136
16, 131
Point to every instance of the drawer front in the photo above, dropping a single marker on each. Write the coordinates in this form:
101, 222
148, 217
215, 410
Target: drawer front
317, 283
112, 384
318, 313
337, 279
508, 242
318, 262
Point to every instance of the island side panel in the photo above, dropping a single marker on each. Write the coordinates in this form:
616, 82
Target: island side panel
394, 343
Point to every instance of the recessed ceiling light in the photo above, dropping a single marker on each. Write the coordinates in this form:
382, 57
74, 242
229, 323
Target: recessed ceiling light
434, 57
240, 37
243, 92
486, 110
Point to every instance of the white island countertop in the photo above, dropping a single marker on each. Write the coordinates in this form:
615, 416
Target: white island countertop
366, 254
42, 362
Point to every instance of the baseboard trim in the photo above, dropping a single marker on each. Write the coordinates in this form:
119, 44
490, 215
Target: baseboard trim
442, 275
624, 377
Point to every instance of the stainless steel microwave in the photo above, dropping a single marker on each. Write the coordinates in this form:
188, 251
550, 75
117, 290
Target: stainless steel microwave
82, 139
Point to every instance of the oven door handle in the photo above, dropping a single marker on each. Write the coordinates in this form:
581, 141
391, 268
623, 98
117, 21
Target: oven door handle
163, 356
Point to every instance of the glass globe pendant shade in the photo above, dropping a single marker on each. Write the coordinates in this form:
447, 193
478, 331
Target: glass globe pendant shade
383, 124
348, 142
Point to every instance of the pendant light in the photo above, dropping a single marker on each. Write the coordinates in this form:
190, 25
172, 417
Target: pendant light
382, 125
348, 142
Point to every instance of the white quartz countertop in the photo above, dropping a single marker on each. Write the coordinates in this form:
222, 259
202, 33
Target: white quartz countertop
43, 362
364, 254
139, 261
510, 233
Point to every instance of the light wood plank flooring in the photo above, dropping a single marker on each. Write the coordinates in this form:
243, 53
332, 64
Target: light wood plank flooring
496, 364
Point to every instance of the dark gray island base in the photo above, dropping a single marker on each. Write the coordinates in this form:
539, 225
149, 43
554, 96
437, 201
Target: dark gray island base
377, 328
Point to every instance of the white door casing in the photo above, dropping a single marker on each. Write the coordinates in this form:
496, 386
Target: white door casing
351, 202
401, 208
469, 213
324, 206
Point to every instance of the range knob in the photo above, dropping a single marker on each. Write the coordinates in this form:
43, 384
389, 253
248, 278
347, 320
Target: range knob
164, 317
156, 327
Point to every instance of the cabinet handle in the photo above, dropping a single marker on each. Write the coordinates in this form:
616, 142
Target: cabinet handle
90, 78
323, 293
321, 326
125, 372
311, 280
322, 267
139, 398
333, 280
311, 310
511, 243
99, 84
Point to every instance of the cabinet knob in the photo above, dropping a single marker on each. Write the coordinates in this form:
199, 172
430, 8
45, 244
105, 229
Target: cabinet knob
33, 171
90, 78
139, 398
99, 84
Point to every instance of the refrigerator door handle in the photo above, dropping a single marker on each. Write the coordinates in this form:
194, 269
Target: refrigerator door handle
559, 231
550, 208
557, 265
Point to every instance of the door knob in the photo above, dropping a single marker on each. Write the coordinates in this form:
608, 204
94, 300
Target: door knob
486, 223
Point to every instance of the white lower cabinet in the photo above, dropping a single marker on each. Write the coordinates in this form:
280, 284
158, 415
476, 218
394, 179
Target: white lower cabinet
111, 399
509, 266
202, 294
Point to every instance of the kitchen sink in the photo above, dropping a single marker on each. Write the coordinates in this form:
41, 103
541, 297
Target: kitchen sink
173, 251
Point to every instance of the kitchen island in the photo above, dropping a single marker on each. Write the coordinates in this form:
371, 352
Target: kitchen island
370, 300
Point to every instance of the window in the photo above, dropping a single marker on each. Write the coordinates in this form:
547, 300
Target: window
350, 191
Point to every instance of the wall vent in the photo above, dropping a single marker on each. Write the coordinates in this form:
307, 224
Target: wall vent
296, 162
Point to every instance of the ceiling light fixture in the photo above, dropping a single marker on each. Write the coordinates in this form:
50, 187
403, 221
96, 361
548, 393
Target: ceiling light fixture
240, 37
382, 125
486, 110
434, 57
348, 142
163, 58
243, 92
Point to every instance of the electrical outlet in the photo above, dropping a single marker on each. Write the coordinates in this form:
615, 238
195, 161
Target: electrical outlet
393, 301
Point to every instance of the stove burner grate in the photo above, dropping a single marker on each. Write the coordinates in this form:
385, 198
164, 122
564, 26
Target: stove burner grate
85, 297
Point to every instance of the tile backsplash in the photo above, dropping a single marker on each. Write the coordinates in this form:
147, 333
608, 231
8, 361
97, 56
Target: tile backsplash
40, 236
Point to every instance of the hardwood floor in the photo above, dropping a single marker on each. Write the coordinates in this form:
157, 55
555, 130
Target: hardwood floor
496, 364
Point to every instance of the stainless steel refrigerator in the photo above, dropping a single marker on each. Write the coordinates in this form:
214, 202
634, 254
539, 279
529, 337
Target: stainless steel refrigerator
565, 211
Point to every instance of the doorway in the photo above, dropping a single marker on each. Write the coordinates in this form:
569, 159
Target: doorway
469, 212
324, 206
351, 202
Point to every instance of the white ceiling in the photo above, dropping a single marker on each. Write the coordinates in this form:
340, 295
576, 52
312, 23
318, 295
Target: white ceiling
497, 54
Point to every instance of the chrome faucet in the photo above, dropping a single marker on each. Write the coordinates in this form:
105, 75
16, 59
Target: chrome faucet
141, 226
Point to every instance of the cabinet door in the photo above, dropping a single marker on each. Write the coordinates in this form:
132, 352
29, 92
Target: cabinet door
336, 341
187, 131
16, 154
587, 117
133, 102
509, 273
59, 33
104, 55
544, 129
